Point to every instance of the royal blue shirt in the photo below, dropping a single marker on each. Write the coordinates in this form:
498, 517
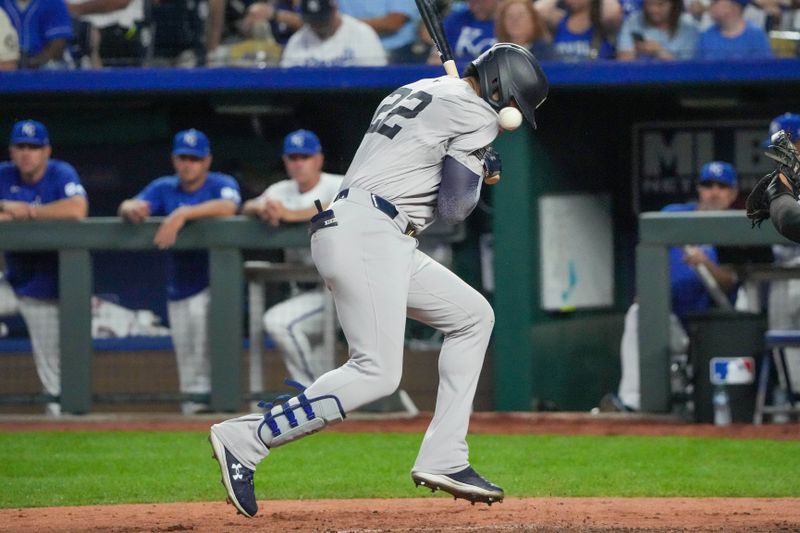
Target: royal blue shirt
407, 33
39, 23
689, 295
752, 43
468, 36
187, 272
569, 46
36, 274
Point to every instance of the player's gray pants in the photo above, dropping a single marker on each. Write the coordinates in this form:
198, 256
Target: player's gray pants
41, 318
188, 319
293, 324
377, 277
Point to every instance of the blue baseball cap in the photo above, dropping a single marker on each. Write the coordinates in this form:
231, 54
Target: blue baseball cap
191, 142
718, 172
302, 142
29, 132
789, 122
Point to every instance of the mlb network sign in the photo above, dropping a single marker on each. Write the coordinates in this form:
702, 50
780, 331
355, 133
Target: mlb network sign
667, 157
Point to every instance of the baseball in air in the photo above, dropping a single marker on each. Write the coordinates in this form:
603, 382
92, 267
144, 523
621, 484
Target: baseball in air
510, 118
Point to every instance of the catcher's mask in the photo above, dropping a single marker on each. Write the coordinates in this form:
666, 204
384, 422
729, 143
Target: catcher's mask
510, 71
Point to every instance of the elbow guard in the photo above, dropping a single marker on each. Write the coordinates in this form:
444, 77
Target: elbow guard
458, 191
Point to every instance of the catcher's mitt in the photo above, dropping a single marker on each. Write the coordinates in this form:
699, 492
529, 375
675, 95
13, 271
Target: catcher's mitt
767, 189
783, 151
771, 186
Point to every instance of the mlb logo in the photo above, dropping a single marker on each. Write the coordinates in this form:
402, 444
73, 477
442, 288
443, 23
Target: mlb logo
732, 370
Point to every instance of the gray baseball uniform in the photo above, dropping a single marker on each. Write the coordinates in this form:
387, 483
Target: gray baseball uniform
371, 263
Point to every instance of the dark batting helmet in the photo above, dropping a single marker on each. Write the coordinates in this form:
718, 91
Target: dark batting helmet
510, 72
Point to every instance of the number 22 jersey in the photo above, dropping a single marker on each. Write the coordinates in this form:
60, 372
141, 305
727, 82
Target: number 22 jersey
413, 129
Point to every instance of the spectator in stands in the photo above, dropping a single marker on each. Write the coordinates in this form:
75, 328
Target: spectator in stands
731, 36
113, 32
229, 22
611, 12
329, 38
764, 14
297, 324
782, 15
518, 22
260, 47
44, 28
660, 31
717, 189
395, 22
193, 192
35, 187
469, 28
283, 16
581, 30
9, 43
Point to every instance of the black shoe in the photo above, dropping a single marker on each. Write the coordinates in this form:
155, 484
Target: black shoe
237, 479
467, 484
611, 403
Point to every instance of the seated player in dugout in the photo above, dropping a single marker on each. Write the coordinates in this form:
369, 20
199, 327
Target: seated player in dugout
297, 323
695, 271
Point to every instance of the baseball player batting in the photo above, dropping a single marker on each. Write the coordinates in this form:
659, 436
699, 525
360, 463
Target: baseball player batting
423, 156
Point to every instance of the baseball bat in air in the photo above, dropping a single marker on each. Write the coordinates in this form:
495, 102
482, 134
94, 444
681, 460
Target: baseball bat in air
433, 23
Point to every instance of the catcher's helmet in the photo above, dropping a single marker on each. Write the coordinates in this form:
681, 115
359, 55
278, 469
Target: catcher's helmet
510, 71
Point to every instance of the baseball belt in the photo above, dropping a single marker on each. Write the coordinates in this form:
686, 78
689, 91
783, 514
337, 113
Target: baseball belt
384, 206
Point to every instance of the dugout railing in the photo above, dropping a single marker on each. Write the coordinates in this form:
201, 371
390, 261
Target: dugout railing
225, 240
657, 232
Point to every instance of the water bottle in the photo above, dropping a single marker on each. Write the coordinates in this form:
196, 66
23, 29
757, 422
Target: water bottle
722, 407
780, 399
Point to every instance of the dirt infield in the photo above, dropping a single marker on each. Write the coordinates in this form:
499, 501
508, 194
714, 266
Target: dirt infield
423, 515
427, 514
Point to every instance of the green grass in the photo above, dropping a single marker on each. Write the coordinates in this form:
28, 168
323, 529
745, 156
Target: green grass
44, 469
